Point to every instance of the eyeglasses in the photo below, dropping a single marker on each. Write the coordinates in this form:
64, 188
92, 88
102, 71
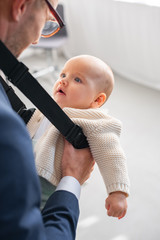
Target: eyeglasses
52, 26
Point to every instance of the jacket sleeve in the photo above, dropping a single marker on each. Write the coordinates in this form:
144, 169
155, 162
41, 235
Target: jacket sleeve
20, 216
62, 207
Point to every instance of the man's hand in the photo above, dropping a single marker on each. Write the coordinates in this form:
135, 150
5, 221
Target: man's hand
116, 204
77, 163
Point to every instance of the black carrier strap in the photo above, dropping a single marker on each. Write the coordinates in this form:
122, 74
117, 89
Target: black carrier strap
16, 103
18, 74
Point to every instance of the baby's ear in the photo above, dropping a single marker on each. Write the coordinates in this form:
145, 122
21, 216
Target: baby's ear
100, 99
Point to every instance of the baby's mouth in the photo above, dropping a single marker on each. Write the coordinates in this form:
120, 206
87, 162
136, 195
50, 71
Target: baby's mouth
61, 92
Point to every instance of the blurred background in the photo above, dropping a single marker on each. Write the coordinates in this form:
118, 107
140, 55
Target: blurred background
126, 35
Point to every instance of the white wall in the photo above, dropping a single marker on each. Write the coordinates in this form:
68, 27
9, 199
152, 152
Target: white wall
125, 35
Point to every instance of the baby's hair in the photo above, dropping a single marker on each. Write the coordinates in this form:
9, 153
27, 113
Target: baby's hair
105, 76
109, 81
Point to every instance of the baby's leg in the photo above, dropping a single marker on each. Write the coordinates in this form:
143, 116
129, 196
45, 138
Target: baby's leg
46, 190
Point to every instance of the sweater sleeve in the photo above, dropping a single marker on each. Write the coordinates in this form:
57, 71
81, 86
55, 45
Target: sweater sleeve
109, 155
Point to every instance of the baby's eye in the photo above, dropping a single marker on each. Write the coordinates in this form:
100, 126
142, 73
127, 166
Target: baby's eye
78, 80
63, 75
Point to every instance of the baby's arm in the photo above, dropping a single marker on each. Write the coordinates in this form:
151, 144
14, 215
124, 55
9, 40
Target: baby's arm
116, 204
109, 155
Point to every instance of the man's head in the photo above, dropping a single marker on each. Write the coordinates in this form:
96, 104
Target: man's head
22, 21
84, 82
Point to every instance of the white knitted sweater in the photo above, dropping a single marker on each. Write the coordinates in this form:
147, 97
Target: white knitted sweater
102, 132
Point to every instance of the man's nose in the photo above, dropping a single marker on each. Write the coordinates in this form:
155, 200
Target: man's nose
35, 42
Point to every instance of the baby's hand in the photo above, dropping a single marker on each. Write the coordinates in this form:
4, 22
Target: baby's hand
116, 204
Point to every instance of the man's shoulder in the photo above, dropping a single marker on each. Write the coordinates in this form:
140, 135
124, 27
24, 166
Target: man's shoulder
3, 96
13, 131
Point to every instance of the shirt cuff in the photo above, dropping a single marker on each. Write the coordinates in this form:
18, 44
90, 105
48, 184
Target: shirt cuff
70, 184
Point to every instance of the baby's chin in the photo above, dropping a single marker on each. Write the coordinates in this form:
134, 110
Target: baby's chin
60, 104
63, 104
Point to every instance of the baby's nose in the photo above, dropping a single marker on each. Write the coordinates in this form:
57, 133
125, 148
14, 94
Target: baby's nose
64, 82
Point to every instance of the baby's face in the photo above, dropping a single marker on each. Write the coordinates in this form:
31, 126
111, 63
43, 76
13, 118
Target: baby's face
76, 85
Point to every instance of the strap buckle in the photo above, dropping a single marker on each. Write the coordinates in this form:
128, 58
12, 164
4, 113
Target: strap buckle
77, 138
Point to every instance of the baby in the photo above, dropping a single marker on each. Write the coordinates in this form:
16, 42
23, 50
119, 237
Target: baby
84, 85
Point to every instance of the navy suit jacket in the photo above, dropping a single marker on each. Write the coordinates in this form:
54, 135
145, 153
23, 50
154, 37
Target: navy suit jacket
20, 216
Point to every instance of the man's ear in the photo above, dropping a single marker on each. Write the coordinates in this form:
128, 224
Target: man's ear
18, 8
98, 102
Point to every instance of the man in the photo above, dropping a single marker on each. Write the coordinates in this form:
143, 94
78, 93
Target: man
21, 23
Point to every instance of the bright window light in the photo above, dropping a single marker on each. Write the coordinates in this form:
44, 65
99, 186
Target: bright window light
146, 2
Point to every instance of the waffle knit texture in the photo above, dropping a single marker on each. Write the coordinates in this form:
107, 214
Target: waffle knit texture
102, 132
